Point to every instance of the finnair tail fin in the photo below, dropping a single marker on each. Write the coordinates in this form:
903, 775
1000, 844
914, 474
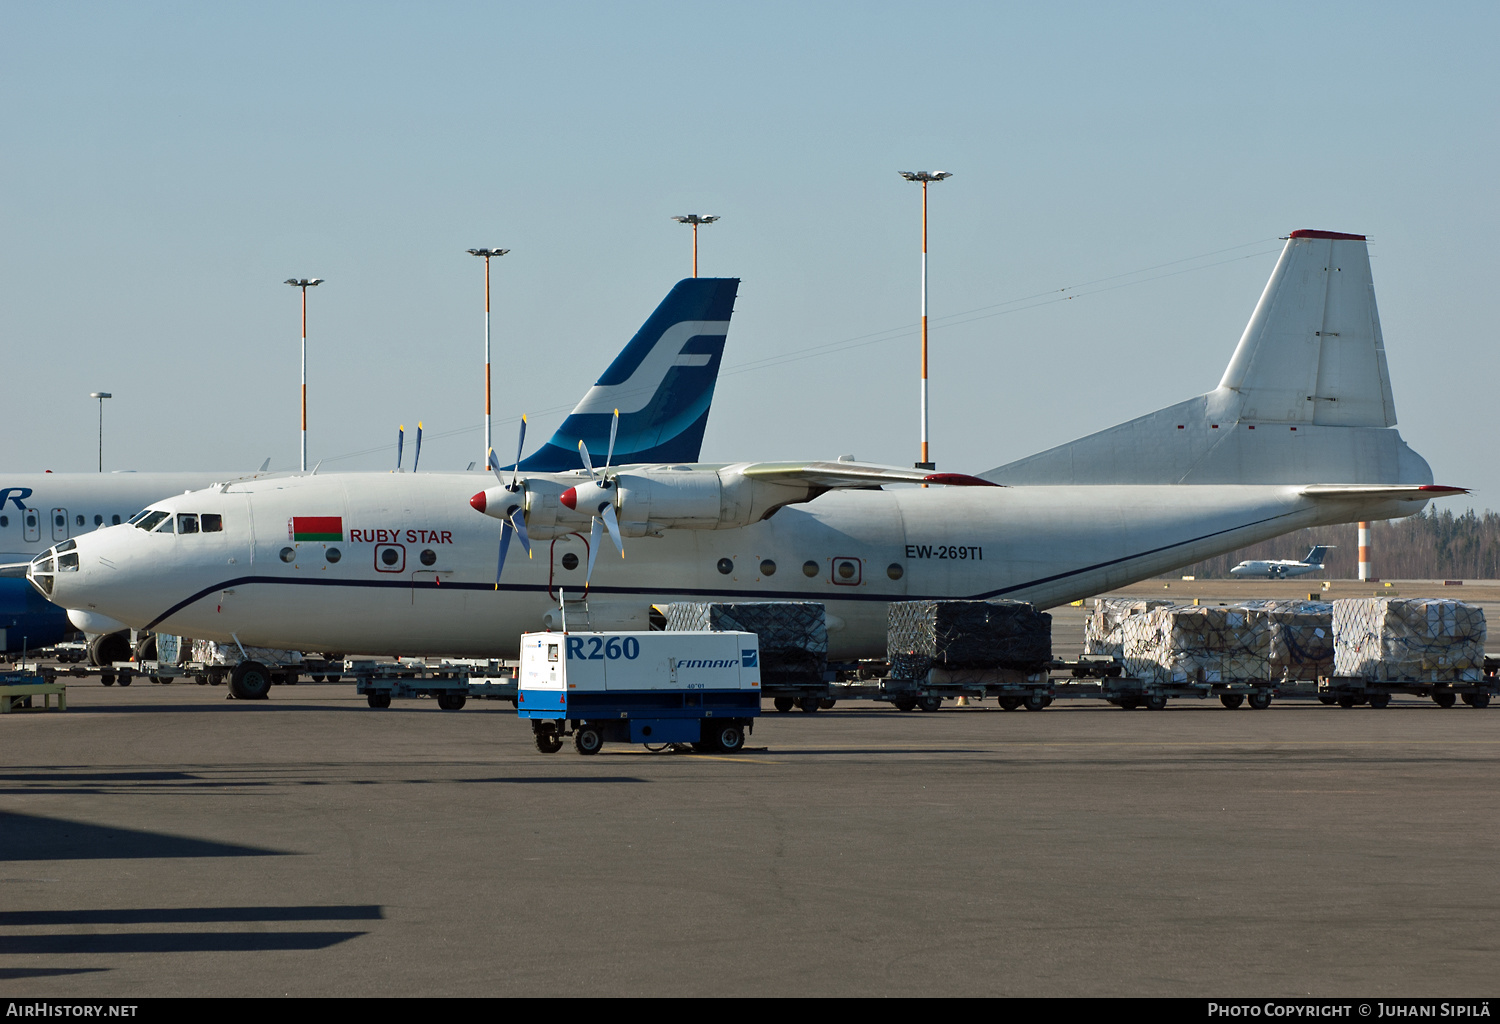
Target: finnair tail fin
662, 383
1306, 397
1318, 555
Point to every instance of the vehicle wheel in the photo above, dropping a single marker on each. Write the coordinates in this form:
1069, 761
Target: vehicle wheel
107, 679
291, 679
1347, 701
1327, 698
729, 738
378, 700
216, 679
126, 679
1260, 701
548, 742
1481, 700
588, 739
1380, 700
808, 704
904, 704
1155, 702
451, 701
784, 703
1443, 700
201, 680
1047, 701
930, 702
1130, 703
1035, 701
1009, 703
250, 680
826, 703
1231, 700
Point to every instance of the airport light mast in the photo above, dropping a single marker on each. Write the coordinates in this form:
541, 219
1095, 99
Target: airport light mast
101, 395
924, 177
304, 283
487, 253
695, 220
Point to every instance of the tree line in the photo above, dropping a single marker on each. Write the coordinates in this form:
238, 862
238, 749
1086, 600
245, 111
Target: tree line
1434, 544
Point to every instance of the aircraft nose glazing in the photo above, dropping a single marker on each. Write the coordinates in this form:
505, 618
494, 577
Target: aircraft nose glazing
60, 558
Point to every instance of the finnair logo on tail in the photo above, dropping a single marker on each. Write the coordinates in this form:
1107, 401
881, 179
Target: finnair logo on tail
635, 393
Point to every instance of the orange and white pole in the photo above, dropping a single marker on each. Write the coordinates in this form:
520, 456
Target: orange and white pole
487, 253
304, 283
924, 177
1364, 551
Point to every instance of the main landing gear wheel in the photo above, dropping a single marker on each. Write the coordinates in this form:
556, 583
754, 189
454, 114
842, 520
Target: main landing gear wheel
784, 704
451, 701
729, 738
250, 680
930, 703
549, 742
1231, 700
1443, 700
1035, 702
1260, 701
378, 700
588, 739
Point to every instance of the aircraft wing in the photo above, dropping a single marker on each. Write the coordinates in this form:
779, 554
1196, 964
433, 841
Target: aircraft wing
1388, 492
852, 474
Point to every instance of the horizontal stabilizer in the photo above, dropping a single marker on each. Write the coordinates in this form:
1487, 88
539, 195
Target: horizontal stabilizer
1372, 492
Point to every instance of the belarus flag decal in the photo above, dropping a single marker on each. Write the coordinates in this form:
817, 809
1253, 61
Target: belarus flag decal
315, 528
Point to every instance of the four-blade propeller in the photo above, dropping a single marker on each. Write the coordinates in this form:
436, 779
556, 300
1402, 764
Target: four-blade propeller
513, 515
603, 501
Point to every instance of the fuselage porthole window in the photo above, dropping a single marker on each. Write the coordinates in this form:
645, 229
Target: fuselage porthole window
211, 522
78, 520
288, 554
4, 520
99, 520
428, 556
114, 520
332, 554
187, 523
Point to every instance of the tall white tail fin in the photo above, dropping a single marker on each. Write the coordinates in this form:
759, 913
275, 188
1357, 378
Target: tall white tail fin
1306, 397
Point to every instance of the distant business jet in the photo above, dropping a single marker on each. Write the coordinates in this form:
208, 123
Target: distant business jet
1282, 568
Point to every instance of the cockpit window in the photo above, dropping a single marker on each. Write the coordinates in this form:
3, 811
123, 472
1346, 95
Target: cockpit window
167, 524
187, 523
148, 519
142, 514
212, 522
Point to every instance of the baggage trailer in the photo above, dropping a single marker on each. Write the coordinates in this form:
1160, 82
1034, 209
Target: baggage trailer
450, 683
653, 688
1351, 691
1131, 693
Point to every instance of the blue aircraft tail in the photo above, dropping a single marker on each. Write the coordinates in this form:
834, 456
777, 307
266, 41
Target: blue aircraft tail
662, 383
1317, 555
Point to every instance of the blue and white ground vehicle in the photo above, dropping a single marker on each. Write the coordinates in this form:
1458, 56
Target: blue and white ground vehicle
630, 687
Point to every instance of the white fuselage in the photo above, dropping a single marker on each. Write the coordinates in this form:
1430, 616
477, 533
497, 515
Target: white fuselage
1274, 569
855, 551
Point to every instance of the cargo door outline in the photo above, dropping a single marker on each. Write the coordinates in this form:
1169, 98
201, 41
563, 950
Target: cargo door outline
557, 573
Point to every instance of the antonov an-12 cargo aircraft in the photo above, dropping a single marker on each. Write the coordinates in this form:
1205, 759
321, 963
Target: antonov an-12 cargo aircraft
664, 377
1298, 433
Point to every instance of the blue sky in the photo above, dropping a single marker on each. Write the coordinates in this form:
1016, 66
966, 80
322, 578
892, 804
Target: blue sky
166, 166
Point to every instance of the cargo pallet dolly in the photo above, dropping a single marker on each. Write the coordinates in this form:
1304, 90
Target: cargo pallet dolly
1351, 691
1129, 693
658, 689
450, 683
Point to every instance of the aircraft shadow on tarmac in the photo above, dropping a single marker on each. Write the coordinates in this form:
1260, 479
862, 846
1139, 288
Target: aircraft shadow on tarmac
17, 973
173, 942
32, 837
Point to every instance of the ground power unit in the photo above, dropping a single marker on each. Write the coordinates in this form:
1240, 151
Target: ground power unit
655, 688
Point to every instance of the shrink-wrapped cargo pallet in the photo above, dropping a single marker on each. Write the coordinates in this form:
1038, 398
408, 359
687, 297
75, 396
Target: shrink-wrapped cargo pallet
1388, 639
793, 634
1102, 633
1197, 645
1301, 638
923, 635
209, 652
